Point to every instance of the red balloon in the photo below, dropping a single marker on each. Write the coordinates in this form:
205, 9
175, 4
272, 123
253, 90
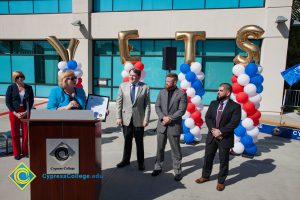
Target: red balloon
233, 79
139, 65
196, 116
134, 61
183, 90
256, 116
242, 97
79, 80
79, 85
255, 122
191, 107
188, 99
236, 88
126, 79
249, 108
200, 123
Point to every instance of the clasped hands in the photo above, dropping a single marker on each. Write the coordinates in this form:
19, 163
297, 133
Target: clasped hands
20, 115
217, 133
166, 120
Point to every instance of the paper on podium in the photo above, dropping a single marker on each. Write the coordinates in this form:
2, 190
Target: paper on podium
62, 115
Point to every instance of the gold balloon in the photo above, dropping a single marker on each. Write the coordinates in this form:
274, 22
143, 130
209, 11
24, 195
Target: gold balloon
190, 38
65, 54
244, 44
124, 48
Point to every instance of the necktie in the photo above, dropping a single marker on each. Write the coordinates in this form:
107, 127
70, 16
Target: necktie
219, 114
132, 93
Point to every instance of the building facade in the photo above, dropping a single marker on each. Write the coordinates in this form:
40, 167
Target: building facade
24, 25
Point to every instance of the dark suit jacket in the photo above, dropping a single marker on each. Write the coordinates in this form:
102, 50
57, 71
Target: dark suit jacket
175, 111
13, 99
230, 119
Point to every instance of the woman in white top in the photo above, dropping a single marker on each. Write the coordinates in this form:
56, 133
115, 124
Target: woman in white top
19, 100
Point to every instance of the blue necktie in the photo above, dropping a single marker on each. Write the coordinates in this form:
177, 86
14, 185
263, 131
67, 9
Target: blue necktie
132, 93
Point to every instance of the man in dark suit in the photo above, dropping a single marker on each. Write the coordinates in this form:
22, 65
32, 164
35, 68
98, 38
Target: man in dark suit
133, 113
221, 118
170, 106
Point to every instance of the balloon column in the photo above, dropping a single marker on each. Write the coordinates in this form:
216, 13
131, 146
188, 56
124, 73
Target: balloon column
67, 56
129, 61
191, 78
247, 87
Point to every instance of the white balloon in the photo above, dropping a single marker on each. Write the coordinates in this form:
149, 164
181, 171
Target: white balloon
200, 107
257, 105
190, 123
191, 92
243, 79
78, 73
253, 132
244, 115
181, 137
124, 73
181, 76
185, 84
198, 138
62, 65
236, 139
59, 73
143, 74
195, 131
200, 76
186, 115
79, 65
128, 66
196, 67
260, 69
233, 96
247, 123
238, 69
238, 148
255, 99
196, 100
250, 89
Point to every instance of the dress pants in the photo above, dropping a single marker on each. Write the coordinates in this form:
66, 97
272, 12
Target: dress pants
175, 150
210, 151
15, 123
138, 133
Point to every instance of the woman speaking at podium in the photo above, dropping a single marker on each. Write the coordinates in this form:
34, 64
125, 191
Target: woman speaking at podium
19, 100
67, 96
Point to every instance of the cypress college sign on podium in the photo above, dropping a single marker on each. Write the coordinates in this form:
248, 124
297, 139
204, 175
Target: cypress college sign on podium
65, 155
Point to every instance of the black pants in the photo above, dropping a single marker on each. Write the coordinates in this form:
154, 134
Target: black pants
138, 134
210, 151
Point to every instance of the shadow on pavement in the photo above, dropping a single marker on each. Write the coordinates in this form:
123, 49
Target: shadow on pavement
267, 144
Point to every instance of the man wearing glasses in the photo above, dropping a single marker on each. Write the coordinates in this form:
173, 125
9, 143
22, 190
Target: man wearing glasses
133, 113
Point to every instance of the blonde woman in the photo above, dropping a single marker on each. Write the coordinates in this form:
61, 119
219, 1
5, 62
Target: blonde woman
67, 96
19, 100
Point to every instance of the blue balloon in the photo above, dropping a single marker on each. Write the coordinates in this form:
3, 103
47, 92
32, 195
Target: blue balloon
185, 129
251, 69
182, 122
247, 141
259, 88
200, 92
190, 76
188, 138
72, 64
240, 131
257, 80
197, 85
251, 150
185, 68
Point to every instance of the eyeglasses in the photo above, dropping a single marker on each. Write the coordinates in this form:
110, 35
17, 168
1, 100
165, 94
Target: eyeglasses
20, 77
72, 78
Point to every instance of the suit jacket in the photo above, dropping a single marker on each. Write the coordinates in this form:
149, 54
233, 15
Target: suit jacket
176, 110
139, 110
13, 100
230, 119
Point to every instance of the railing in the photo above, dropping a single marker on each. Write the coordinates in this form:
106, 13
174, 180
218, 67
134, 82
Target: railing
291, 99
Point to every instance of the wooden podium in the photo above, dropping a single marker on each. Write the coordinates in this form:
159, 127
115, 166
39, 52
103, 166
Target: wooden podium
63, 125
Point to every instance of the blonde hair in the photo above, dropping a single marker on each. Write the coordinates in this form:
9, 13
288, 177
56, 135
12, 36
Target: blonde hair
63, 78
17, 73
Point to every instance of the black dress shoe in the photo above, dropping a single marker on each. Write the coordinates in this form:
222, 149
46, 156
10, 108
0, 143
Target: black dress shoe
156, 172
178, 177
122, 164
17, 157
141, 167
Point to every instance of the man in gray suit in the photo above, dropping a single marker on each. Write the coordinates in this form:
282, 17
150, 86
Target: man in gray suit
133, 113
170, 107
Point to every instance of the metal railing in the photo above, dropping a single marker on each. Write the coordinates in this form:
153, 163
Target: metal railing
291, 99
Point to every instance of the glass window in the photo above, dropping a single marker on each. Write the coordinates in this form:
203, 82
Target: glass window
219, 48
3, 88
103, 47
147, 47
153, 68
46, 69
4, 7
45, 6
188, 4
43, 90
4, 47
103, 5
222, 3
252, 3
124, 5
157, 4
22, 47
102, 91
5, 68
159, 45
179, 44
20, 6
65, 6
118, 67
26, 65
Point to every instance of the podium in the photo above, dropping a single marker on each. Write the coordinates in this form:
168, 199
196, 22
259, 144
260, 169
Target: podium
65, 155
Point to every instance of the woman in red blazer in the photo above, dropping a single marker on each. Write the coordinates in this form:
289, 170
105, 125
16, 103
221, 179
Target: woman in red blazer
19, 100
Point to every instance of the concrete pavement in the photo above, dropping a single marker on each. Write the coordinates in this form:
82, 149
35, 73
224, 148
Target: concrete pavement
273, 174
